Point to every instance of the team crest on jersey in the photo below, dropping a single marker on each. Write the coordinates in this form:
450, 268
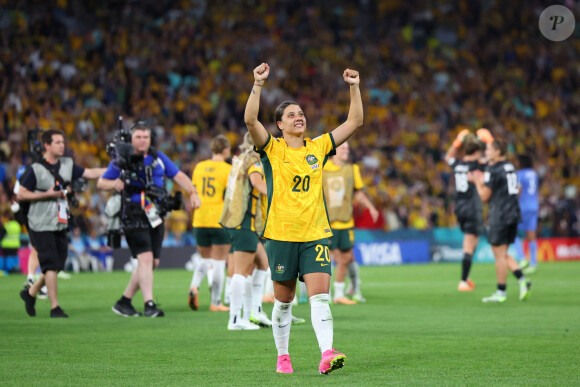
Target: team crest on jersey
280, 269
312, 161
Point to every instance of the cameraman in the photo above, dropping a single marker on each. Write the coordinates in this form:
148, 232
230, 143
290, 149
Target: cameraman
46, 186
143, 230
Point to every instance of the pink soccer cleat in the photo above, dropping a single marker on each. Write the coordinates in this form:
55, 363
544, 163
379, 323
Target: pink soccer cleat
331, 360
284, 365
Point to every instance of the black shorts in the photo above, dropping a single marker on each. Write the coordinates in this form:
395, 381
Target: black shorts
471, 225
142, 240
502, 234
52, 247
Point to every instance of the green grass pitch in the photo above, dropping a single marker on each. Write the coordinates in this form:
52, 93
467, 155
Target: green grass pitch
415, 329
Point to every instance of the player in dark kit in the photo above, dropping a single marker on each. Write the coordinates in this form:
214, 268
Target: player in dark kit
499, 187
468, 207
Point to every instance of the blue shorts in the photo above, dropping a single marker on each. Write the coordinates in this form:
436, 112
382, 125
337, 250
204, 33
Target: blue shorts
529, 221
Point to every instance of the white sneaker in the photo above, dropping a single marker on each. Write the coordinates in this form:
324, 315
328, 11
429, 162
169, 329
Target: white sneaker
358, 297
242, 325
525, 290
497, 297
43, 294
297, 320
530, 270
260, 319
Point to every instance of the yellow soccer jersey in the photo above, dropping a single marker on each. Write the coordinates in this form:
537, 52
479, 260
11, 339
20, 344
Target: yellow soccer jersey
210, 179
358, 184
296, 206
255, 196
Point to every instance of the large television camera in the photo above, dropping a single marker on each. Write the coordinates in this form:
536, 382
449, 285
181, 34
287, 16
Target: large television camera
133, 169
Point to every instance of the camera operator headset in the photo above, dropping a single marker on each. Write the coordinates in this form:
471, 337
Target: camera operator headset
46, 186
141, 215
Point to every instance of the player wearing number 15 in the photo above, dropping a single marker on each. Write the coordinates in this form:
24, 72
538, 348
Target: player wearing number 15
297, 225
499, 186
468, 208
210, 178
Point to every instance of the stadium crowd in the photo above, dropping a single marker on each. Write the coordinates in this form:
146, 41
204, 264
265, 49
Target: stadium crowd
429, 72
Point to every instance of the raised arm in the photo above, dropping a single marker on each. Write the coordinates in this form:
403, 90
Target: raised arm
257, 131
452, 151
355, 113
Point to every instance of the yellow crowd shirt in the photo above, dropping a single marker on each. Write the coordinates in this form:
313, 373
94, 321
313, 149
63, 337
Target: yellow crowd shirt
210, 179
296, 206
358, 184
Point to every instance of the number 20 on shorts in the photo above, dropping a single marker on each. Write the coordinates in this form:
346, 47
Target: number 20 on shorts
325, 260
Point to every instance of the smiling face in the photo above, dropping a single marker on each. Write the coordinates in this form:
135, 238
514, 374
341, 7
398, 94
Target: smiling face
292, 121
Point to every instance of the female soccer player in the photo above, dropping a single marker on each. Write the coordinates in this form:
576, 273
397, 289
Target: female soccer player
499, 187
297, 226
242, 217
343, 184
468, 208
210, 178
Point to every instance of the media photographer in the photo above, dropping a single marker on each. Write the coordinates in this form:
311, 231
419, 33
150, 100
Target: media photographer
137, 172
47, 187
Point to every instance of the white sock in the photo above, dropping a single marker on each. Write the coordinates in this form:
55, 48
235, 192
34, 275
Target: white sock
227, 290
353, 274
237, 290
338, 289
258, 279
302, 287
200, 272
30, 276
247, 298
219, 273
210, 269
322, 321
269, 286
281, 322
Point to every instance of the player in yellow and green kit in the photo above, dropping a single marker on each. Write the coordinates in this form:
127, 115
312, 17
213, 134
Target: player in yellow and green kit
210, 178
297, 226
242, 219
342, 184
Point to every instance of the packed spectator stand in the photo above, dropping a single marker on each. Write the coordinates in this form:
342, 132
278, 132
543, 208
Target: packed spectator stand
427, 72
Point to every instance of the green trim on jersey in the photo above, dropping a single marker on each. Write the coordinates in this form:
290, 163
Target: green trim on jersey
331, 153
268, 176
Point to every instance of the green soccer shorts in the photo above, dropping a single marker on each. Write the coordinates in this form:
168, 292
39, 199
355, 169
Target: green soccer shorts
291, 260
